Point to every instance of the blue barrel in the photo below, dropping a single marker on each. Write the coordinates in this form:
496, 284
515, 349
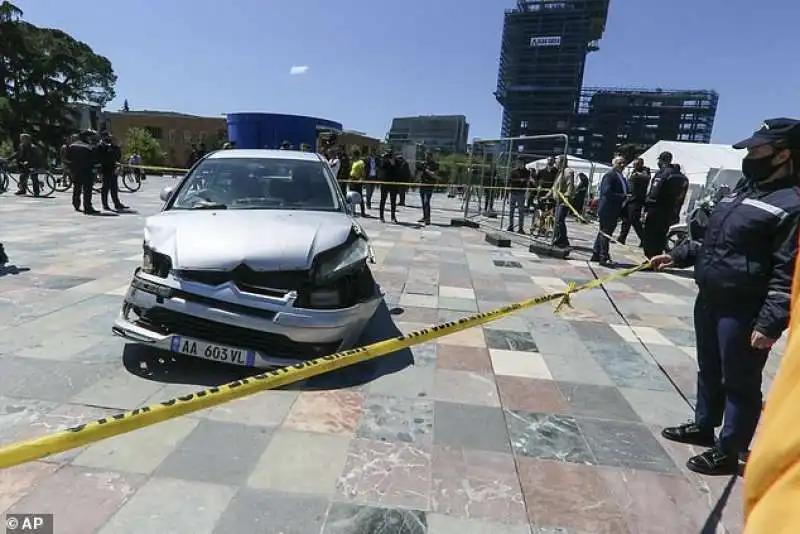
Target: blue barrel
269, 130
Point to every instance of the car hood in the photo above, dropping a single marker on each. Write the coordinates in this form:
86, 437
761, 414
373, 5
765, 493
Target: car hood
264, 240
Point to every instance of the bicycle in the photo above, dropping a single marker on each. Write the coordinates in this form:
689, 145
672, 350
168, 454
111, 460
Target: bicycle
543, 219
131, 180
63, 182
45, 179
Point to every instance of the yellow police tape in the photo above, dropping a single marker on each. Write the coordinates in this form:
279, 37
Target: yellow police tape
36, 448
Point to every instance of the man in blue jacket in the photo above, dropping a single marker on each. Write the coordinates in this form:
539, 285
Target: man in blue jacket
613, 195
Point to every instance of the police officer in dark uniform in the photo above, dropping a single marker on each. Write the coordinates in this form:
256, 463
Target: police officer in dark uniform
81, 158
109, 153
743, 271
663, 204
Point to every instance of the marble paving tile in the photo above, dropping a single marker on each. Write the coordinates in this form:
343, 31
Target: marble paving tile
412, 382
123, 391
627, 367
599, 402
521, 364
627, 445
16, 482
472, 337
547, 437
419, 301
411, 314
392, 419
426, 354
457, 292
465, 387
301, 462
332, 412
241, 446
509, 340
448, 303
470, 426
531, 395
458, 358
388, 474
154, 508
443, 524
662, 298
476, 485
665, 408
571, 496
346, 518
679, 336
81, 500
262, 409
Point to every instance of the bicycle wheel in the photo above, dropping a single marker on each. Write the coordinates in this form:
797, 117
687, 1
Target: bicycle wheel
130, 182
47, 184
62, 182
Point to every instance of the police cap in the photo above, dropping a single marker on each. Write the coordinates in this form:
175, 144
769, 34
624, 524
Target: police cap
782, 132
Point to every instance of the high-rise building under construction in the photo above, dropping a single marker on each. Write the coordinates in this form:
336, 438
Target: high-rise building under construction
542, 60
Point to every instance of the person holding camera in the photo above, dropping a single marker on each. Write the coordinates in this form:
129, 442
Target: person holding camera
109, 153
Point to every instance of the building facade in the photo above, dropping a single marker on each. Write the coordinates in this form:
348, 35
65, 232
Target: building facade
609, 118
175, 132
270, 130
542, 59
447, 133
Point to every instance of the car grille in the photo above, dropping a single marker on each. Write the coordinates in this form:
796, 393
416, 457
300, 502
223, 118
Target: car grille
167, 321
246, 279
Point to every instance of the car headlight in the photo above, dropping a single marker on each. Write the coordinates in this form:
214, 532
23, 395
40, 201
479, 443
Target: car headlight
155, 263
354, 254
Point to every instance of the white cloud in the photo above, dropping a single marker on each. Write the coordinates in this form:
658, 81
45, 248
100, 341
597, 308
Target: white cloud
297, 70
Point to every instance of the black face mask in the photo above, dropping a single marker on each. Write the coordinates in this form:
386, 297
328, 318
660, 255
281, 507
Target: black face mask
759, 169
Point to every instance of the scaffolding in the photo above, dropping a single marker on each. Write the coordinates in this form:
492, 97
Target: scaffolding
610, 117
542, 59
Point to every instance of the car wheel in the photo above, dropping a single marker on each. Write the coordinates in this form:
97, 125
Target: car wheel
674, 239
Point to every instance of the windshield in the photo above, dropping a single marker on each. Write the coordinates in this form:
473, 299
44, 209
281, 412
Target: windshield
259, 183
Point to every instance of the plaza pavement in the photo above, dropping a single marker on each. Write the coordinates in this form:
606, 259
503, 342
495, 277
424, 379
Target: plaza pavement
537, 423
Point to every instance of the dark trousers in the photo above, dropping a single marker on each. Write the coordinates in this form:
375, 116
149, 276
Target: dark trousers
560, 238
656, 228
110, 186
82, 187
729, 376
357, 187
579, 202
425, 195
488, 199
632, 217
601, 243
343, 187
26, 176
402, 194
391, 192
370, 187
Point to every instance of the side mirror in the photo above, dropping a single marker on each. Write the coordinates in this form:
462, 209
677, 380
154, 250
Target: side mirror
165, 193
353, 198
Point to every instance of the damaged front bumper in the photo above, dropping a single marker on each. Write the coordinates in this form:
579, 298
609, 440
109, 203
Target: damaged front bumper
224, 323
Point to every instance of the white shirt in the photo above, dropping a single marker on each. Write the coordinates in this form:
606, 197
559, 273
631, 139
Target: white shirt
373, 167
335, 164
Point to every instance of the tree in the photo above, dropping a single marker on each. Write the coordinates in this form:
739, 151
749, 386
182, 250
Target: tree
125, 107
142, 142
43, 72
453, 167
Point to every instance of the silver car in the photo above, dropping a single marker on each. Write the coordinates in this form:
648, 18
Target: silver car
254, 260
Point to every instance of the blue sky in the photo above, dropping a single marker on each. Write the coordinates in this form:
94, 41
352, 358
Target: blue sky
371, 60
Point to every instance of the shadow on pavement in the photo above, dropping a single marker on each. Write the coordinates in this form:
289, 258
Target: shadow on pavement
9, 270
160, 366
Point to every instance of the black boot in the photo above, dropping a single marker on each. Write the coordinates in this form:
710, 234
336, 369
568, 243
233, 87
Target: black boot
691, 434
714, 462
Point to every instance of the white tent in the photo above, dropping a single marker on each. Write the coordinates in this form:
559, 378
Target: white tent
699, 162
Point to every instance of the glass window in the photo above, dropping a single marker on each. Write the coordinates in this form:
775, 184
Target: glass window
259, 183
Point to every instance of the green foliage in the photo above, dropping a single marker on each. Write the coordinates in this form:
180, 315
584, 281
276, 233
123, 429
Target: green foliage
6, 148
142, 142
453, 168
43, 72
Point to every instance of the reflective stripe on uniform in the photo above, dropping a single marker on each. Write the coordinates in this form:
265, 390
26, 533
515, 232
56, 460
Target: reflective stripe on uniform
769, 208
785, 294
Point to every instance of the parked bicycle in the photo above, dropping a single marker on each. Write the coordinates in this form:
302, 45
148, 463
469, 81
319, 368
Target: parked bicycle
44, 177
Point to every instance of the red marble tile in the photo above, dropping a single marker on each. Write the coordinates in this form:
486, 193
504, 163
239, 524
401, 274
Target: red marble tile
569, 496
16, 482
531, 395
457, 358
81, 500
684, 377
411, 314
656, 503
476, 485
707, 490
389, 474
329, 412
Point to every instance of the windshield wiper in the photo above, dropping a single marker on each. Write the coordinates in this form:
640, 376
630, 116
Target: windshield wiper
208, 205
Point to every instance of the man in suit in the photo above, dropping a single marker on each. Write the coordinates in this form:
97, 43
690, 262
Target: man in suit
613, 195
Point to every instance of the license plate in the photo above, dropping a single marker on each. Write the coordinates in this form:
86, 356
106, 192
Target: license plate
211, 351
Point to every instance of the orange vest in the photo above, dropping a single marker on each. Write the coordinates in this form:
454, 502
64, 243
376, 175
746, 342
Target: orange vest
772, 477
